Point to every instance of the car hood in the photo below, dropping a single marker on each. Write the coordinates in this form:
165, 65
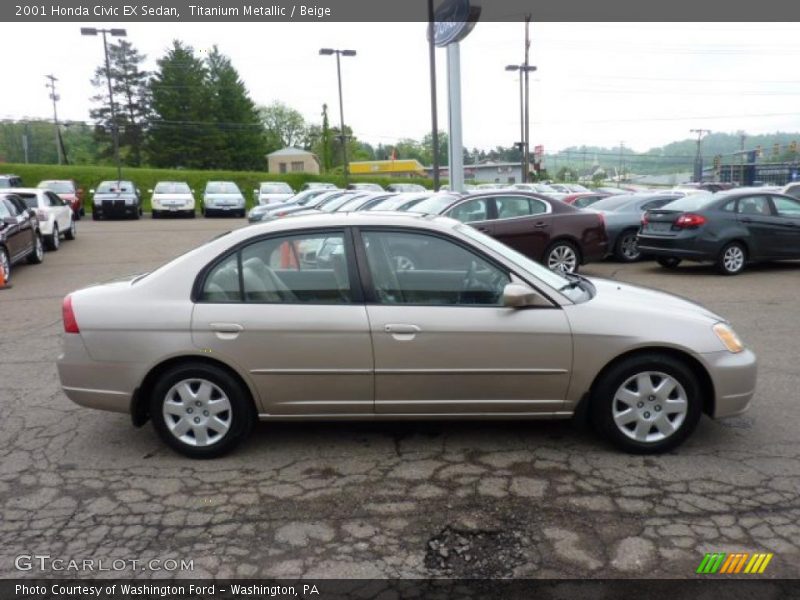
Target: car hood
275, 195
168, 197
223, 197
624, 296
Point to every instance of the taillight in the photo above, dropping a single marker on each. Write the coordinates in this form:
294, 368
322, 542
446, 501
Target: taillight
70, 323
41, 215
689, 221
645, 219
602, 219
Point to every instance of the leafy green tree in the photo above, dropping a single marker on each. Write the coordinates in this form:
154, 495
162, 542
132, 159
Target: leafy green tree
238, 141
284, 126
180, 134
129, 83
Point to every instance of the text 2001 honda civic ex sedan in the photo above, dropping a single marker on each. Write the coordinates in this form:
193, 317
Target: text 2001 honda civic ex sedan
318, 317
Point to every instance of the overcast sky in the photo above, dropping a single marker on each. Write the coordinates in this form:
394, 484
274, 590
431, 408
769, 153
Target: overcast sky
597, 84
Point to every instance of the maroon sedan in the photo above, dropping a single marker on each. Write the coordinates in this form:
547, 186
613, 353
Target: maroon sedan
558, 235
68, 191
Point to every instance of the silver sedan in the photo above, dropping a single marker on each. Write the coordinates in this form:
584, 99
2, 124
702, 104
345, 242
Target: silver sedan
318, 317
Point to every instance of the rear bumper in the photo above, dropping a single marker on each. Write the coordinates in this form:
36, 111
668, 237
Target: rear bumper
734, 380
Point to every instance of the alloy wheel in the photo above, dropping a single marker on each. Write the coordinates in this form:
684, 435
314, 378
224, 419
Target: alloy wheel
650, 406
629, 248
197, 412
562, 258
733, 258
55, 238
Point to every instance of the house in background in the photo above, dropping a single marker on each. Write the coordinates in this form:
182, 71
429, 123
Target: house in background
292, 160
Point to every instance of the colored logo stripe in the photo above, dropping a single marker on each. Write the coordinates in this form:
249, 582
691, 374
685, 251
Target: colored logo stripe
736, 562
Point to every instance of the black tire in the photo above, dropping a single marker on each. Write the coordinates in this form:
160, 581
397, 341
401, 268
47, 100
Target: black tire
622, 249
77, 215
732, 259
242, 412
603, 402
95, 216
53, 240
557, 246
70, 233
155, 214
191, 215
82, 212
136, 214
668, 262
36, 255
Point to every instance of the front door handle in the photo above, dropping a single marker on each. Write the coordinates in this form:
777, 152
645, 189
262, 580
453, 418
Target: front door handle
540, 224
402, 332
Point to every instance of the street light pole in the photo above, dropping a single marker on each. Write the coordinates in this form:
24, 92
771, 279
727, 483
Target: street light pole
114, 124
698, 160
342, 136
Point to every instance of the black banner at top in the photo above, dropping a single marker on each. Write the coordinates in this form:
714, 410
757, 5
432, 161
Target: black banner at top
393, 10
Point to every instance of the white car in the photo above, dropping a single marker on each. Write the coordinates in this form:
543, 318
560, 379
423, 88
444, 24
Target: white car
792, 189
55, 216
273, 192
172, 197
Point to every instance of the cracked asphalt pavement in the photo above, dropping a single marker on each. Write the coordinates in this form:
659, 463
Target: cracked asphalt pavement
397, 500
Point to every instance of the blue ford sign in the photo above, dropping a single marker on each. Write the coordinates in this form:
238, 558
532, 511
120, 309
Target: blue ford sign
453, 20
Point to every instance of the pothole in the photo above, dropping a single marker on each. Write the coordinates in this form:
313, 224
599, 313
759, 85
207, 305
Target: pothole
475, 554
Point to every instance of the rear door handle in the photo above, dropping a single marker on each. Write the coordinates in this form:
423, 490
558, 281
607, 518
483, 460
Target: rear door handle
400, 328
226, 331
540, 224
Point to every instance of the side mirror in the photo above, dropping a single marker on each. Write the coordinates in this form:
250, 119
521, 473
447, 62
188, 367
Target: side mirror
91, 191
149, 191
519, 295
31, 212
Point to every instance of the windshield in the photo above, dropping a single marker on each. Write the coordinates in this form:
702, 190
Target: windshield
222, 187
31, 200
433, 205
551, 278
114, 187
5, 183
275, 188
693, 202
331, 204
59, 187
168, 187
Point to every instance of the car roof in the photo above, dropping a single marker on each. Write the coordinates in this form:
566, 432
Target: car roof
19, 190
348, 219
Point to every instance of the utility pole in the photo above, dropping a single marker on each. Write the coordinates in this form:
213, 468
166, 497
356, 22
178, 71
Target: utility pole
342, 137
742, 138
619, 173
698, 161
527, 139
51, 84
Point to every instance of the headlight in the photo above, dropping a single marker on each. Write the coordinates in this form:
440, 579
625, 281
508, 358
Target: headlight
208, 201
728, 337
128, 201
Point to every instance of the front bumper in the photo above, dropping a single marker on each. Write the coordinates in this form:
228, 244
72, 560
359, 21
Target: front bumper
734, 380
115, 208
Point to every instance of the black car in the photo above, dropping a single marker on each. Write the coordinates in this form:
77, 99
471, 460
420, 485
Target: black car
729, 229
19, 233
116, 199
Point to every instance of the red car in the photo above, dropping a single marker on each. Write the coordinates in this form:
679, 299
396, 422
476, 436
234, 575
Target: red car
68, 191
584, 199
558, 235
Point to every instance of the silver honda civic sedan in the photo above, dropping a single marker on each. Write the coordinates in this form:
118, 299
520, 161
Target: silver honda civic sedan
319, 317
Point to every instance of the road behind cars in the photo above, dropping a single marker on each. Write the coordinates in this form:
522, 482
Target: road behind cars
540, 499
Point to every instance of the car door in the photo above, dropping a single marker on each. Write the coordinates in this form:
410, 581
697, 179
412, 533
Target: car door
60, 209
787, 231
477, 212
524, 224
293, 322
18, 238
442, 341
754, 213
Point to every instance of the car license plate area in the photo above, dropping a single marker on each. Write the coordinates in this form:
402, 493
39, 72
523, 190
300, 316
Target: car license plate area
659, 227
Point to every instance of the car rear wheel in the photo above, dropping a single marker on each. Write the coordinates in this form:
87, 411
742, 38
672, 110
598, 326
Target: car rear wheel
200, 410
70, 233
627, 249
668, 262
37, 254
155, 214
54, 239
647, 403
5, 263
95, 216
732, 259
562, 257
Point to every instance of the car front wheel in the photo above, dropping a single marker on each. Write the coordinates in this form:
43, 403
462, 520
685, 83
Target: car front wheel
200, 410
562, 257
647, 403
732, 259
37, 253
72, 232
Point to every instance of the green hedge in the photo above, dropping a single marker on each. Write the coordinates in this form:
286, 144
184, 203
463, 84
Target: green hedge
89, 176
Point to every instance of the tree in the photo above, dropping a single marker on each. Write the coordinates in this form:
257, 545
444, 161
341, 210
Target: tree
131, 98
180, 135
239, 137
285, 127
